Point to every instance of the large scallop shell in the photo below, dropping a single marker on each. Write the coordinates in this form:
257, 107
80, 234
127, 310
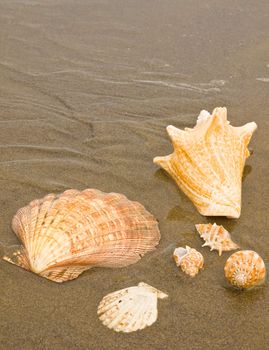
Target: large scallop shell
208, 162
216, 237
128, 310
189, 259
64, 235
245, 269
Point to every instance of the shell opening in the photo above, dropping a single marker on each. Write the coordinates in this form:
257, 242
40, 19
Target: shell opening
178, 254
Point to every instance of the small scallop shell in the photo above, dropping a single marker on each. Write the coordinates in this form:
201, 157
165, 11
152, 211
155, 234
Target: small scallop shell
189, 259
128, 310
216, 237
66, 234
245, 269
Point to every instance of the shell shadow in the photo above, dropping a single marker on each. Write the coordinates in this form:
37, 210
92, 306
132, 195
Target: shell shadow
178, 213
227, 223
247, 171
241, 298
162, 175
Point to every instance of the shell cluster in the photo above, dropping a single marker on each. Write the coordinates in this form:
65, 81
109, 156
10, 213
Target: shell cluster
128, 310
189, 259
216, 237
64, 235
245, 269
208, 162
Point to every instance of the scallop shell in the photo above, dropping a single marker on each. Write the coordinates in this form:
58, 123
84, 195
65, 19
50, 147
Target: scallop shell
208, 162
189, 259
128, 310
245, 269
64, 235
216, 237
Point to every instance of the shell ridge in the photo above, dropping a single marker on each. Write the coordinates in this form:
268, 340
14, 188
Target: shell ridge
17, 255
18, 224
60, 274
213, 156
119, 317
33, 214
192, 186
245, 269
141, 322
217, 160
56, 214
131, 309
145, 229
44, 223
36, 238
74, 231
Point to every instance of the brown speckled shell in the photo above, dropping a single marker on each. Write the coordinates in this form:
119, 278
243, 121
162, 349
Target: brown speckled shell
64, 235
245, 269
190, 262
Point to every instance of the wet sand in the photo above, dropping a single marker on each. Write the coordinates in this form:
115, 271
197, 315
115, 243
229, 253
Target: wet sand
86, 91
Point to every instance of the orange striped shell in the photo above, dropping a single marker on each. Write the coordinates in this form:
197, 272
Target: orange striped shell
208, 162
245, 269
64, 235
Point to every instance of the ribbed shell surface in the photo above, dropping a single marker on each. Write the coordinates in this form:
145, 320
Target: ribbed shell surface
245, 269
208, 162
131, 309
65, 234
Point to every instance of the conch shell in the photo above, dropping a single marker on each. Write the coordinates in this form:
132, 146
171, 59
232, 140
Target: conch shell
189, 259
208, 162
64, 235
245, 269
128, 310
216, 237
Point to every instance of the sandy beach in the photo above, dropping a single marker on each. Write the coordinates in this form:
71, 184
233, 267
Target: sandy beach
87, 89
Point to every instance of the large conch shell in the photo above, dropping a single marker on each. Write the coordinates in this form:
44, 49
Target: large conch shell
216, 237
208, 162
245, 269
64, 235
130, 309
189, 259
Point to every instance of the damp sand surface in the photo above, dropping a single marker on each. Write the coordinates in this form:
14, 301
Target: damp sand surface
86, 91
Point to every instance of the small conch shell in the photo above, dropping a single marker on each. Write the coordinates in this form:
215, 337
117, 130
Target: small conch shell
130, 309
64, 235
208, 162
245, 269
189, 259
216, 237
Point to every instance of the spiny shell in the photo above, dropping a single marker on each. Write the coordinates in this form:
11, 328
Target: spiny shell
128, 310
189, 259
245, 269
216, 237
64, 235
208, 162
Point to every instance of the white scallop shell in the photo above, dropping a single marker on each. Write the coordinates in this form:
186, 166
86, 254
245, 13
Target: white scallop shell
189, 259
130, 309
216, 237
